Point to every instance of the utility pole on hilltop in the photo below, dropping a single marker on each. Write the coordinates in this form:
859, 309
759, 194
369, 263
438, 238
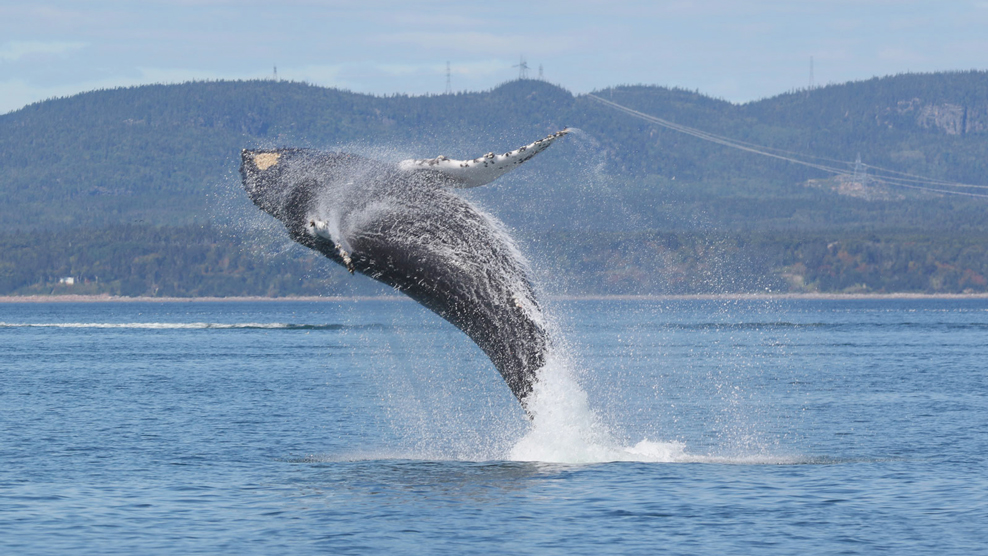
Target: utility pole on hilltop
811, 73
522, 66
276, 73
540, 72
449, 85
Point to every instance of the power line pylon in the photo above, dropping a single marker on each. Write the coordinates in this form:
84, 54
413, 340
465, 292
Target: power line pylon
522, 66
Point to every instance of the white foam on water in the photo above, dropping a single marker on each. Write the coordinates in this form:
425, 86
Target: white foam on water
566, 430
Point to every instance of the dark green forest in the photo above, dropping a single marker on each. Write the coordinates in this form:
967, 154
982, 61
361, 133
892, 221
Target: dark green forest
178, 261
134, 191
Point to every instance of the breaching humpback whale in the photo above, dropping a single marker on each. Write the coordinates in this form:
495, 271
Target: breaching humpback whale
403, 225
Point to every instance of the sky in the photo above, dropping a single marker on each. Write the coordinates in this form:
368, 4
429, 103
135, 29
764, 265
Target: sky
734, 50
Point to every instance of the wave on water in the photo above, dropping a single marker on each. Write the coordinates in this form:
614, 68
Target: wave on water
192, 325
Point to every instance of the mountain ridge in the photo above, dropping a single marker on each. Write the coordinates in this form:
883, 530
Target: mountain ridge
165, 156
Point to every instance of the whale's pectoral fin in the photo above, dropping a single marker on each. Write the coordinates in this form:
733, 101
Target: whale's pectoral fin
482, 170
324, 230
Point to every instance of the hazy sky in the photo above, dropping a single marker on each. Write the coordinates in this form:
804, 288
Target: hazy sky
735, 50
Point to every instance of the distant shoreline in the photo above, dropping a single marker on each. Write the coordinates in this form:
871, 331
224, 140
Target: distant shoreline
143, 299
401, 298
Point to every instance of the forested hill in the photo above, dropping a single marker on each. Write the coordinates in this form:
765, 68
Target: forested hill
154, 152
164, 157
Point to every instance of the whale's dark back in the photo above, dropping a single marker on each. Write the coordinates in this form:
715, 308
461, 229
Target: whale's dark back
409, 231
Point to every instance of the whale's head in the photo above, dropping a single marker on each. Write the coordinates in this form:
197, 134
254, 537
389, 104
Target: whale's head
267, 178
315, 193
290, 183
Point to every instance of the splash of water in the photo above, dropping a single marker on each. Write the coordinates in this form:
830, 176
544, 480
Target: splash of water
565, 429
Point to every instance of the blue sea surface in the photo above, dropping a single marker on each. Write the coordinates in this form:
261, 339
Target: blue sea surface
372, 427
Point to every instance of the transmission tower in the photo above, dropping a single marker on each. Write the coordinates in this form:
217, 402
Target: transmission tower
276, 73
860, 171
540, 72
522, 66
811, 73
449, 84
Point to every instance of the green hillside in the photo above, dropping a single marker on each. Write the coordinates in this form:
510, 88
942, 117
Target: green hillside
134, 191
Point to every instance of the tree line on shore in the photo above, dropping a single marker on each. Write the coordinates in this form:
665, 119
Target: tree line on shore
199, 261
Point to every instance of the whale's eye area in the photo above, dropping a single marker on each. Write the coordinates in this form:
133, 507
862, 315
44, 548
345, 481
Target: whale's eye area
263, 161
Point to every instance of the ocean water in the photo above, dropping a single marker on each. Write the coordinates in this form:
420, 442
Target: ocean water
371, 427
